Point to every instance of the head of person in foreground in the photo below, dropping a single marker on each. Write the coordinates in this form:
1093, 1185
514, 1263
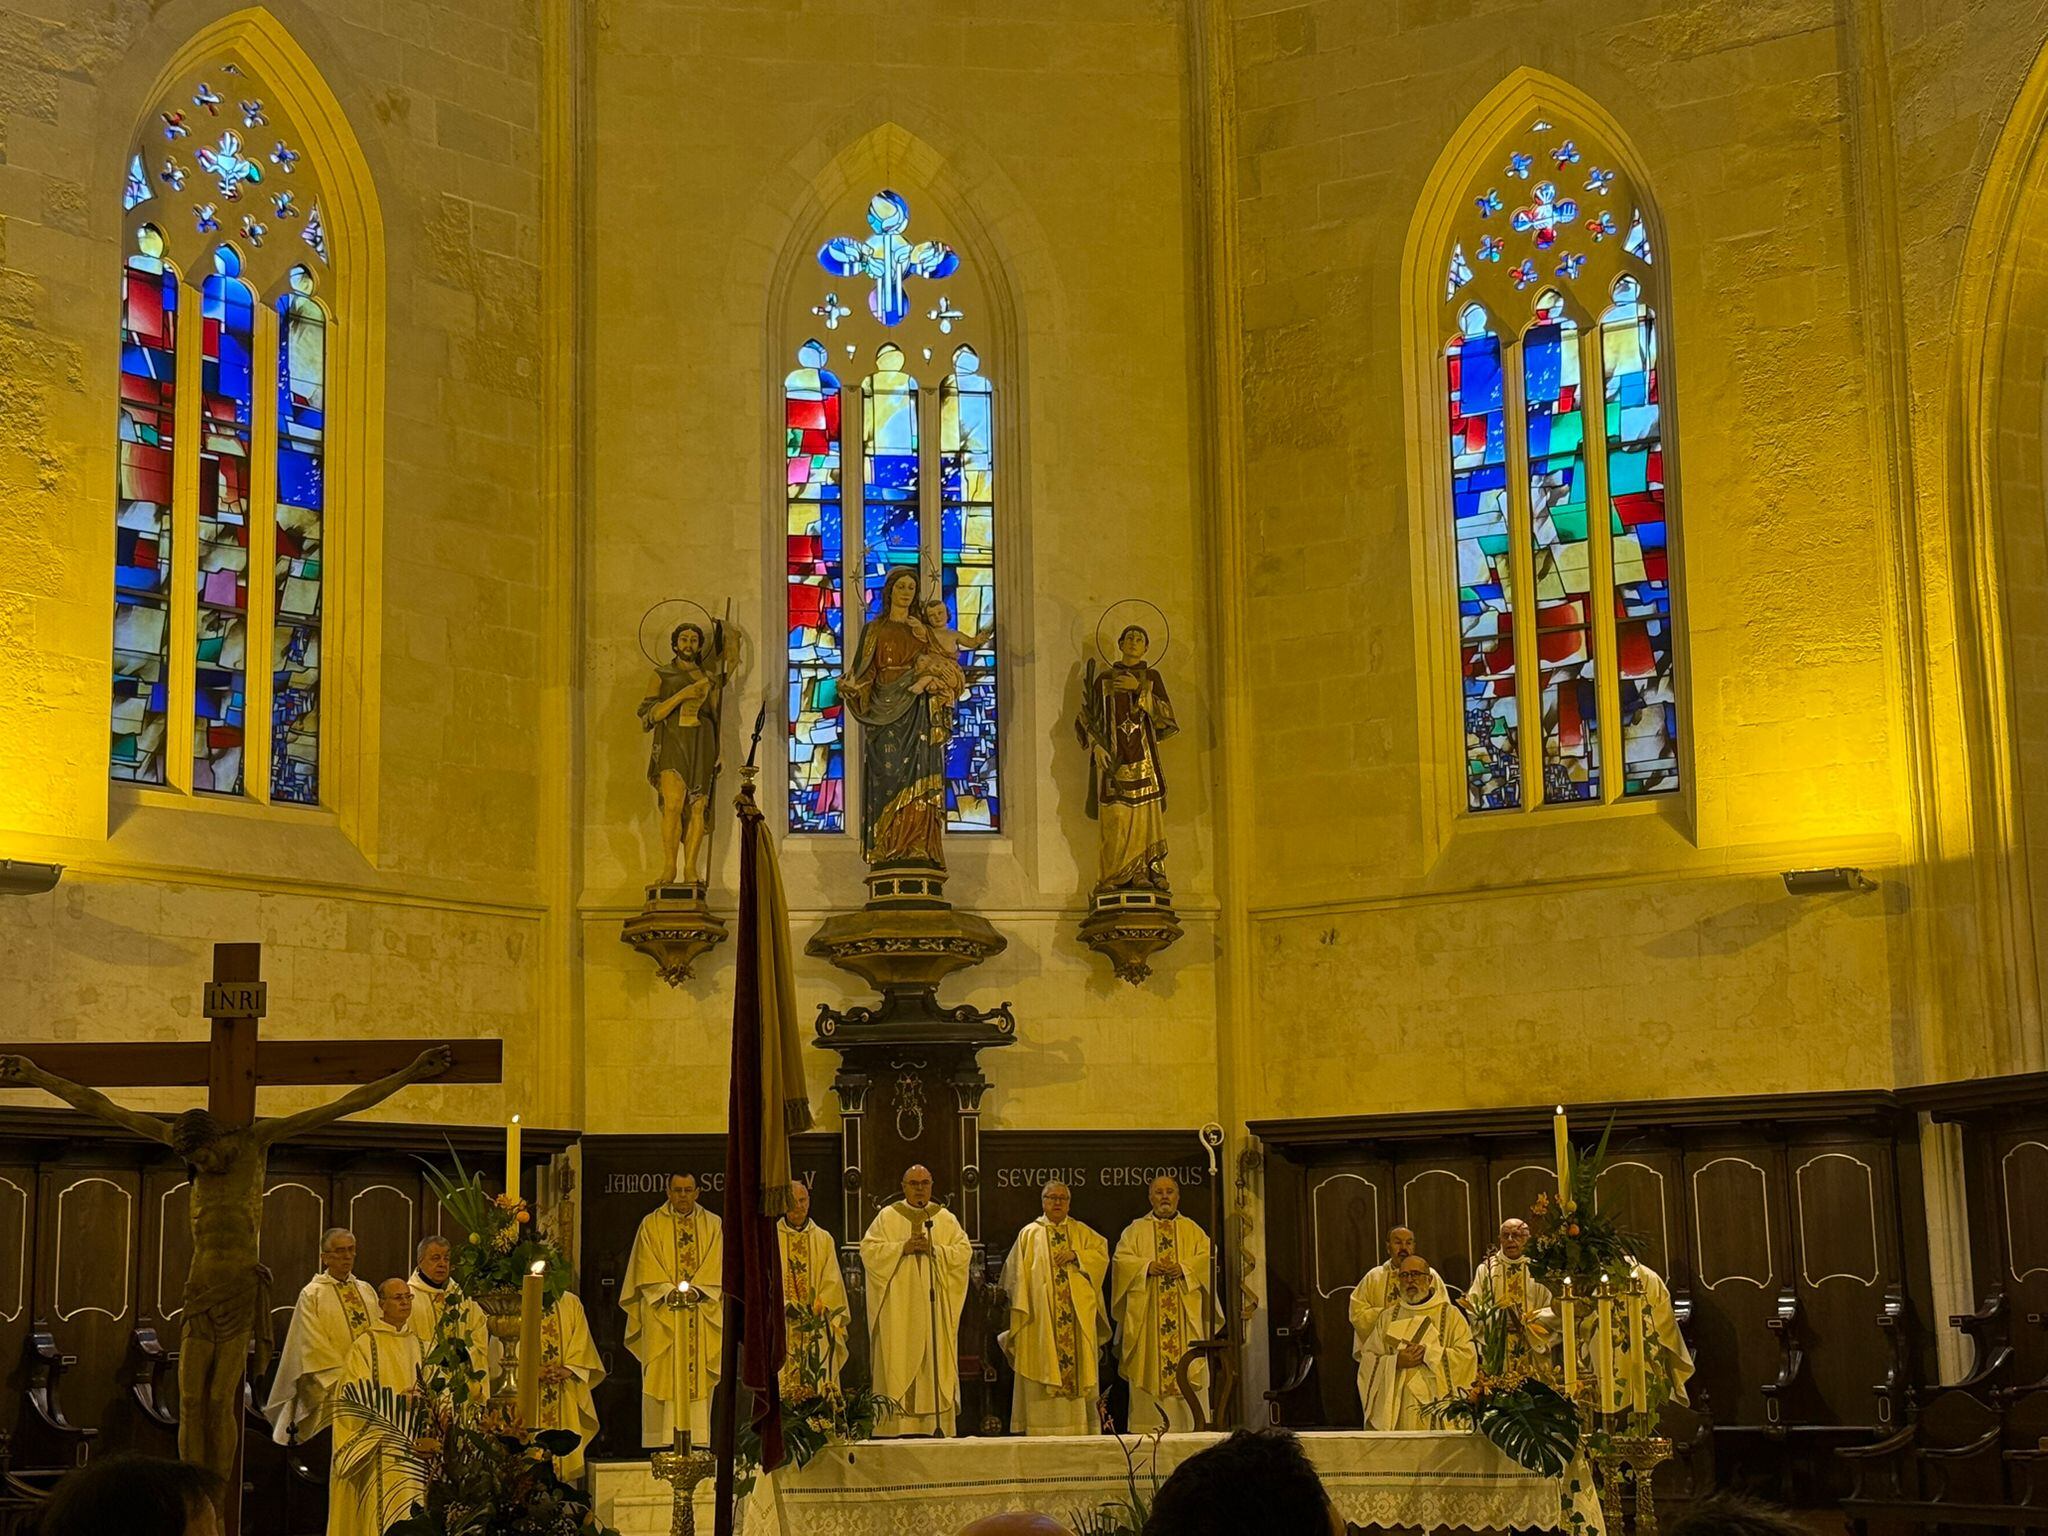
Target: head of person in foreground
1257, 1480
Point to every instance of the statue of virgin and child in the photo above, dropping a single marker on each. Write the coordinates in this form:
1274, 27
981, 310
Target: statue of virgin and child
904, 684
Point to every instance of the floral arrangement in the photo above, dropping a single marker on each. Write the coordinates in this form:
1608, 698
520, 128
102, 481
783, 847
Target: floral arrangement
1568, 1237
495, 1240
1125, 1516
482, 1472
1533, 1423
816, 1410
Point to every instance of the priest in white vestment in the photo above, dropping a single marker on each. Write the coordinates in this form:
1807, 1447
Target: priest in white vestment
333, 1311
1053, 1278
1418, 1350
673, 1298
570, 1372
1376, 1291
433, 1294
1503, 1281
1668, 1353
1159, 1295
813, 1285
370, 1487
916, 1255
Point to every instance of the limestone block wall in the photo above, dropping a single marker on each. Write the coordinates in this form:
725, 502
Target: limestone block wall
423, 915
1636, 951
726, 143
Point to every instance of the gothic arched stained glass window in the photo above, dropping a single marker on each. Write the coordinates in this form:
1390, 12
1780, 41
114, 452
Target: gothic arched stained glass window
926, 483
218, 195
1546, 288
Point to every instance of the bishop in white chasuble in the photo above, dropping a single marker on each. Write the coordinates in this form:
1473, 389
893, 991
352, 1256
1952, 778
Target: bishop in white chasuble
1054, 1278
570, 1372
1159, 1296
916, 1255
370, 1487
814, 1289
1419, 1350
673, 1297
332, 1312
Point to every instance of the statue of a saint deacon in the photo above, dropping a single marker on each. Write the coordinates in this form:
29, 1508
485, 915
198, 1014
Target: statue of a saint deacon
1124, 715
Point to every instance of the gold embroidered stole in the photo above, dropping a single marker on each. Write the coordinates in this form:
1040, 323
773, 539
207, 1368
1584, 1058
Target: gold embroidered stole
1515, 1292
1066, 1327
799, 1290
689, 1336
352, 1308
1168, 1319
550, 1354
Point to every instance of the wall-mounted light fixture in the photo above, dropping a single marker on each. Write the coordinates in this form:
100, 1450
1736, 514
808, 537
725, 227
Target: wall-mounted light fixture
20, 877
1822, 882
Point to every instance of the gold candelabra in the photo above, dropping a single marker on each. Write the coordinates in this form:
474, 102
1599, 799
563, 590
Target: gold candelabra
683, 1469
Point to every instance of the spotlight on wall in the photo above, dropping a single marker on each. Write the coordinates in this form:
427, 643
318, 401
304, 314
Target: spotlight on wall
1820, 882
19, 877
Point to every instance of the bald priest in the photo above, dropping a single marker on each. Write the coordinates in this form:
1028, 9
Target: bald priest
1159, 1295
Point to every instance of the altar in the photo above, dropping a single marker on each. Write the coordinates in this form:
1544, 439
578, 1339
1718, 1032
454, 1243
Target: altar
1426, 1479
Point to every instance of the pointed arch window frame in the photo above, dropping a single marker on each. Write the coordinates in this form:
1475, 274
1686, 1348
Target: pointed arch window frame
1435, 292
350, 287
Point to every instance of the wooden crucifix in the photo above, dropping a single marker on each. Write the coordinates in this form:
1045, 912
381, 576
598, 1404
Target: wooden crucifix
225, 1149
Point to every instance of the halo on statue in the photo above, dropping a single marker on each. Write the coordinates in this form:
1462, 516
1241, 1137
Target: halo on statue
673, 612
1121, 615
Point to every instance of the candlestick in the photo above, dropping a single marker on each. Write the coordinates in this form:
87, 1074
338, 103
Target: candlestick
529, 1344
1603, 1350
1560, 1136
1638, 1379
1568, 1308
512, 1158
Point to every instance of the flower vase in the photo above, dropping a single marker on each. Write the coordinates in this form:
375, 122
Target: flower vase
501, 1321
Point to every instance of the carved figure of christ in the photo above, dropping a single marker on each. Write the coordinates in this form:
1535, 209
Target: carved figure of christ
225, 1150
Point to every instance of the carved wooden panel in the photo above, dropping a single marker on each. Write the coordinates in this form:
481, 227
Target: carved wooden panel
86, 1263
294, 1216
1737, 1213
2020, 1194
166, 1249
1842, 1241
1347, 1211
17, 1276
1636, 1189
1441, 1201
1732, 1222
384, 1214
1516, 1182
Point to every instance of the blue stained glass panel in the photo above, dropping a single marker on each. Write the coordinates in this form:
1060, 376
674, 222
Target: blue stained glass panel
815, 545
142, 513
1563, 555
299, 572
1479, 498
967, 556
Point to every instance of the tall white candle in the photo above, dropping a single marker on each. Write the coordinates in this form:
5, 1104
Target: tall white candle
1603, 1353
1563, 1147
1568, 1310
512, 1158
1638, 1378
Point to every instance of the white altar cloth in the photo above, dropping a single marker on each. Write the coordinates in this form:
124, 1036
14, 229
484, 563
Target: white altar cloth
1435, 1480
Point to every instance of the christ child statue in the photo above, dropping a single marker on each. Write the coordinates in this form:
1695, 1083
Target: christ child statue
936, 672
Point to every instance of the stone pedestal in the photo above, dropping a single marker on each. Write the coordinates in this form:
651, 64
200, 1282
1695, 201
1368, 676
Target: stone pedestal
1130, 926
675, 929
